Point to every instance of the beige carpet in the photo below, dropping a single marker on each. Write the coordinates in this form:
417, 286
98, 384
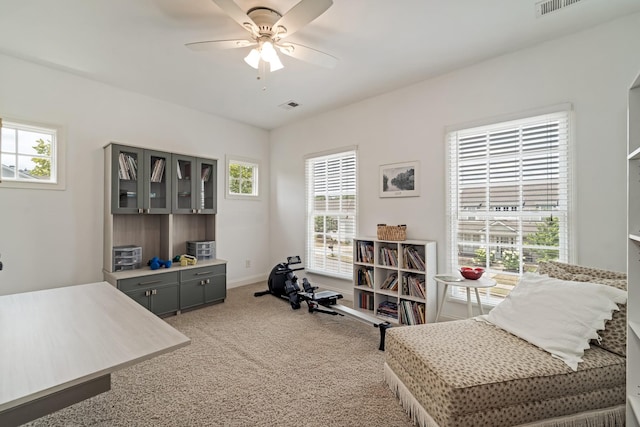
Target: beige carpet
252, 362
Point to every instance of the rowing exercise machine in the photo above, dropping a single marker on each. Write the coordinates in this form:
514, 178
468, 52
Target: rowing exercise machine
283, 283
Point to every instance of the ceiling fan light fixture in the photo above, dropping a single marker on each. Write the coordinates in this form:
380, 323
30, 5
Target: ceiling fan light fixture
253, 58
268, 53
275, 64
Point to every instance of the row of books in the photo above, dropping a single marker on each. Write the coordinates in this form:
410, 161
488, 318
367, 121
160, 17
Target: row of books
412, 313
413, 286
128, 168
388, 309
390, 283
365, 277
366, 301
389, 257
365, 252
412, 259
158, 170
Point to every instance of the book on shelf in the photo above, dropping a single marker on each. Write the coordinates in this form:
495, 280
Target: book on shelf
128, 167
388, 309
412, 313
365, 277
366, 301
413, 285
365, 252
389, 257
391, 282
206, 172
412, 259
158, 170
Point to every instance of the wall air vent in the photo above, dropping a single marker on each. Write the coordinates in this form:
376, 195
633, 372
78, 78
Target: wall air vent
546, 7
289, 105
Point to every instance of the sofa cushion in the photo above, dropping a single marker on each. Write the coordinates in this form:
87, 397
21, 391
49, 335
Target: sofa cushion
614, 336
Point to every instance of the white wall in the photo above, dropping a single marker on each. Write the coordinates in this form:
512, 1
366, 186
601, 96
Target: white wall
54, 238
592, 70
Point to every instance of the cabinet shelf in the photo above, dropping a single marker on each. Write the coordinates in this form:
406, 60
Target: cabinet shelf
390, 261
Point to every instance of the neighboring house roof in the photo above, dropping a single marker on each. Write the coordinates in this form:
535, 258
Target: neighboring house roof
9, 171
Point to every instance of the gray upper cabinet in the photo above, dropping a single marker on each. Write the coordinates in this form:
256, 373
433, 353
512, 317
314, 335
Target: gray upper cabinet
194, 185
141, 181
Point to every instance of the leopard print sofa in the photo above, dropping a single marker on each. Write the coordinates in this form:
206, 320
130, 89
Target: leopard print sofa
470, 373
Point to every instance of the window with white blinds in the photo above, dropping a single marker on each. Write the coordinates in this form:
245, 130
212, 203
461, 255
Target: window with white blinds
509, 197
331, 213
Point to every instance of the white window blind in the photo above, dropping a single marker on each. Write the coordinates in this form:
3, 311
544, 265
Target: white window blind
331, 213
509, 188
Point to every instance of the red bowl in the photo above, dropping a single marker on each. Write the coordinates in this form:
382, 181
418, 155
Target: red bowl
472, 273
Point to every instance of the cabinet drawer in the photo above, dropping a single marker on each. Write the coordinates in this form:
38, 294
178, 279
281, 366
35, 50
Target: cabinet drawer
147, 281
202, 272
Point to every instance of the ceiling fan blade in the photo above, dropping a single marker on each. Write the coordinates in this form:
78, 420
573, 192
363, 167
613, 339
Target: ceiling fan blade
308, 54
233, 10
300, 15
219, 44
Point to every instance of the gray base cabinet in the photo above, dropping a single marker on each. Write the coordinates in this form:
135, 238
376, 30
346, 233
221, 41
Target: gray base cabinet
202, 286
168, 291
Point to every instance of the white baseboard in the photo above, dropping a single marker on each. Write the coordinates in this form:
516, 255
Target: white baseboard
263, 278
248, 281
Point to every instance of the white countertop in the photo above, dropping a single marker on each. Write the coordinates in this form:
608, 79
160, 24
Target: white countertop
57, 338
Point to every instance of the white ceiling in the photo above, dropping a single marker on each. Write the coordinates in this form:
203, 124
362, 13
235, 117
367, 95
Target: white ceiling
382, 45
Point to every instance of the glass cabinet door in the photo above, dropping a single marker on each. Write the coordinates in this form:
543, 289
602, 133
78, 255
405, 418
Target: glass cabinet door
157, 182
126, 185
207, 190
184, 184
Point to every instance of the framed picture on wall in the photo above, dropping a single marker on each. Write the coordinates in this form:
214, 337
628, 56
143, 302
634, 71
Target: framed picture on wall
400, 179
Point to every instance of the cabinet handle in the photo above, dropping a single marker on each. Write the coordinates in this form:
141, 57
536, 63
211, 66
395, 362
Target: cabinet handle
151, 282
193, 211
140, 210
204, 272
199, 211
201, 282
153, 292
147, 293
208, 281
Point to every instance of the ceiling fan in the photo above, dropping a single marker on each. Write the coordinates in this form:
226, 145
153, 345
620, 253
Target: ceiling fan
268, 30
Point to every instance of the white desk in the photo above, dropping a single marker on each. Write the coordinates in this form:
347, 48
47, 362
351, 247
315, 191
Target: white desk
482, 282
60, 346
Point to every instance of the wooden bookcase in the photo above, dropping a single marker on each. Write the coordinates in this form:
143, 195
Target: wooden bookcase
633, 256
388, 274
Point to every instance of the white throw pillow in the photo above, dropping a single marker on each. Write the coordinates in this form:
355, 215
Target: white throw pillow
556, 315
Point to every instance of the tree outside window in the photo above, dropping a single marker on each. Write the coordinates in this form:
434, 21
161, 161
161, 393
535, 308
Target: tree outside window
242, 178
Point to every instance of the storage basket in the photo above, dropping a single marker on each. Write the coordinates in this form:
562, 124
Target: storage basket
392, 232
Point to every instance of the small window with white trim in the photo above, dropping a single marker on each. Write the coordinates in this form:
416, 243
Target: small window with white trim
242, 178
31, 155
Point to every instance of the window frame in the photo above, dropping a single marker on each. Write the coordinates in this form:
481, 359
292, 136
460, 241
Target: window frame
566, 248
347, 230
58, 155
244, 161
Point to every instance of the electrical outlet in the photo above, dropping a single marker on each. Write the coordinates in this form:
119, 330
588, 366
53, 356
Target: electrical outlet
247, 263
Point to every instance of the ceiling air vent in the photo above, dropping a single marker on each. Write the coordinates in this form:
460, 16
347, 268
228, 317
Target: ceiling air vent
289, 105
548, 6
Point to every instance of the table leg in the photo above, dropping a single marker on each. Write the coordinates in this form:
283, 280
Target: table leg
469, 312
444, 296
478, 299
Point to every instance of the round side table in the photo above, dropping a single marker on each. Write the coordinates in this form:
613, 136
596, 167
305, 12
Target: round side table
447, 280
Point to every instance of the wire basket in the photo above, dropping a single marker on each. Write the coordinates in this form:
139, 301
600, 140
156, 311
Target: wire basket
392, 232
